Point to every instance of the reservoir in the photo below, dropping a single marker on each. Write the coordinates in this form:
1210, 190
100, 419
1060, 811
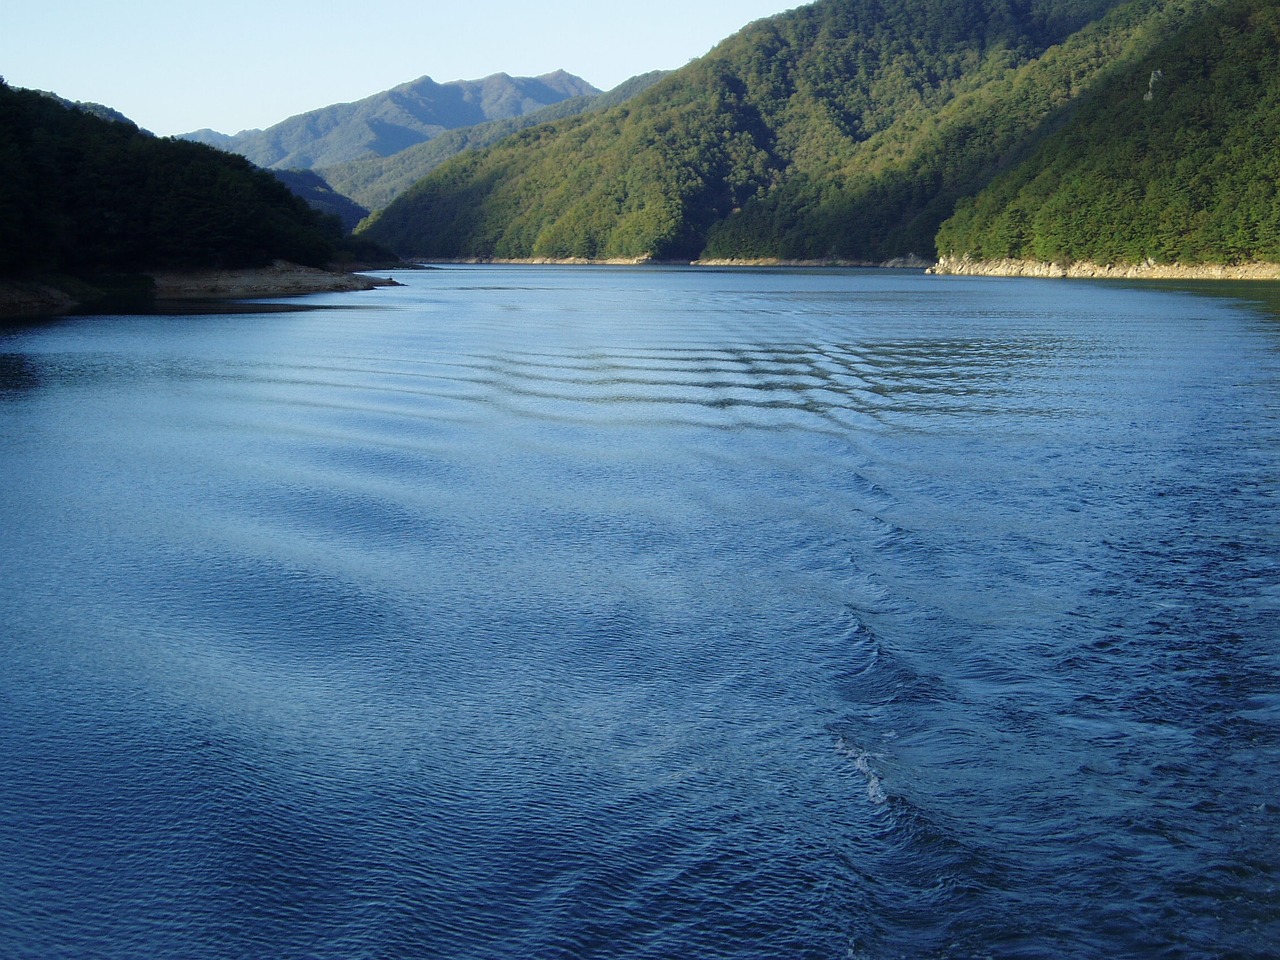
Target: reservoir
555, 613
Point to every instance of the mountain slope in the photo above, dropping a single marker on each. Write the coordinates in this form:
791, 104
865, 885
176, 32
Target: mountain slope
817, 133
374, 181
773, 128
394, 120
319, 195
1176, 160
82, 194
99, 110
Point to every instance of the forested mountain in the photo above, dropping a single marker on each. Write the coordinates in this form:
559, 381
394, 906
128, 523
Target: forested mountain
97, 109
847, 129
81, 194
388, 122
374, 181
1176, 160
314, 189
1113, 131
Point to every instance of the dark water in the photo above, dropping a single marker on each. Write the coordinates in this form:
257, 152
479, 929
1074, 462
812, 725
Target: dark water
554, 613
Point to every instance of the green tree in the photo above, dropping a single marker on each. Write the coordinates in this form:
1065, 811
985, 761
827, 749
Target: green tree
85, 194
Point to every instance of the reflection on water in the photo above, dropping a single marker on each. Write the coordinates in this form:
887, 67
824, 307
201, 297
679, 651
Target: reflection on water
644, 613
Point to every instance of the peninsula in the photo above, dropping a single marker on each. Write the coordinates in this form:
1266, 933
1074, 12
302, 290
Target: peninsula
97, 211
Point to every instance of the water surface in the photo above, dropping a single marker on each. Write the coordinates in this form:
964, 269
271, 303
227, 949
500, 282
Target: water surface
645, 613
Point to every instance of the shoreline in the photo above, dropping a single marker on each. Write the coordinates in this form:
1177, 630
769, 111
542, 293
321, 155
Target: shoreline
545, 261
899, 263
944, 266
281, 279
56, 297
910, 262
1084, 270
30, 298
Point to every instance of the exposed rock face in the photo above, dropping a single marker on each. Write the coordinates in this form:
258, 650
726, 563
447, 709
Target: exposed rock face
966, 266
1157, 77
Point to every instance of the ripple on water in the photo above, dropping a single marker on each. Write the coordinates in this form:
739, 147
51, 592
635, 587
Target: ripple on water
643, 614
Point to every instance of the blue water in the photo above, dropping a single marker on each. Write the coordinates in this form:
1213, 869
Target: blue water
645, 613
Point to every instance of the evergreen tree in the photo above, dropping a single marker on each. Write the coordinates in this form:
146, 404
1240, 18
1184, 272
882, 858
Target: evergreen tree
83, 194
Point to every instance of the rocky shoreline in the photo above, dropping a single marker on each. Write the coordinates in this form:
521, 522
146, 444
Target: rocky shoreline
898, 263
32, 298
281, 279
903, 263
968, 267
545, 261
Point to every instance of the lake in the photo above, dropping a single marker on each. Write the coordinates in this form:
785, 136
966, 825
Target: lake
547, 612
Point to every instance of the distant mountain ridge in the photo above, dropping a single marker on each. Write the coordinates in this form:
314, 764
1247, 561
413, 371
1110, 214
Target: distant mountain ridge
373, 182
394, 120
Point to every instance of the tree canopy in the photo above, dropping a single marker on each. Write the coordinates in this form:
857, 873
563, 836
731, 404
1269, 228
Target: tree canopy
1115, 130
842, 129
375, 181
1176, 159
83, 194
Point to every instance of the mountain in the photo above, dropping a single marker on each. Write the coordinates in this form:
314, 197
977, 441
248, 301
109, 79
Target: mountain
388, 122
81, 194
846, 129
317, 192
374, 181
1176, 159
95, 109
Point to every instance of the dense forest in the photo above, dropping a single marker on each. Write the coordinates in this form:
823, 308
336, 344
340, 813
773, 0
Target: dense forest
799, 127
843, 130
1178, 163
320, 195
81, 194
375, 181
1111, 131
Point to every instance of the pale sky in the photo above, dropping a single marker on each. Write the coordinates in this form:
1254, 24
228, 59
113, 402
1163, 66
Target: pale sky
173, 66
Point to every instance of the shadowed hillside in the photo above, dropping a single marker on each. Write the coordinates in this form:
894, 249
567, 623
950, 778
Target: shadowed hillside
82, 194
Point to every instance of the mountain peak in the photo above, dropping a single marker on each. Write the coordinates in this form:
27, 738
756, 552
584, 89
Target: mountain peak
394, 120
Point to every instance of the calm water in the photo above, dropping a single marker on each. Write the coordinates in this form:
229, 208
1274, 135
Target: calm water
555, 613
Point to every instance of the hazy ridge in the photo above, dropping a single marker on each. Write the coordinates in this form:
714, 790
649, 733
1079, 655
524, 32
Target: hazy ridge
393, 120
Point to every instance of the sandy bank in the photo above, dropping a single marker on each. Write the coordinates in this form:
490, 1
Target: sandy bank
898, 263
549, 261
964, 266
54, 296
281, 279
909, 263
